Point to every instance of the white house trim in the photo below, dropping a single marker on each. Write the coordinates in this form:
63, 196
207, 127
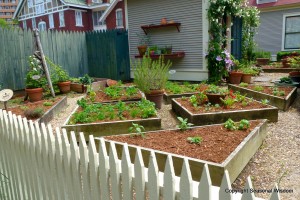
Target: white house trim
205, 37
47, 12
108, 10
283, 30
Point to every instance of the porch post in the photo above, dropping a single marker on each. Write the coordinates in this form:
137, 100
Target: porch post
228, 33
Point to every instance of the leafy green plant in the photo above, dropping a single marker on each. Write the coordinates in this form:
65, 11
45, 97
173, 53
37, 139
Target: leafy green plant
184, 125
213, 89
286, 79
258, 88
82, 103
47, 103
194, 140
35, 77
262, 54
137, 129
58, 74
151, 74
230, 124
198, 99
281, 93
283, 54
86, 80
242, 84
131, 90
264, 101
228, 102
113, 92
294, 61
243, 124
34, 113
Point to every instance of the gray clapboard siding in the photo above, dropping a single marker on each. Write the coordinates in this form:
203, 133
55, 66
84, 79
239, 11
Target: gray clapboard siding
269, 36
189, 39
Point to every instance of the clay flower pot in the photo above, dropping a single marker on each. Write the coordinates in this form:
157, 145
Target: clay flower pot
235, 77
142, 49
35, 94
78, 87
64, 87
215, 98
246, 78
155, 96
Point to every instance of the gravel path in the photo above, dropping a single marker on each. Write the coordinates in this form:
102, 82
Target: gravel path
277, 160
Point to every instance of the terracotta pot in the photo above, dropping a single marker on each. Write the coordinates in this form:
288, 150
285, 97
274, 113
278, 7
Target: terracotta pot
215, 98
163, 21
64, 87
235, 77
155, 96
246, 78
295, 76
77, 87
34, 94
142, 49
262, 61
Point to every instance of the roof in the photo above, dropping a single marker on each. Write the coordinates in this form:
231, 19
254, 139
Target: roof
108, 10
278, 3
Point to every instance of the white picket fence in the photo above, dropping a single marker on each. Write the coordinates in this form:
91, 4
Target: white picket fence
36, 164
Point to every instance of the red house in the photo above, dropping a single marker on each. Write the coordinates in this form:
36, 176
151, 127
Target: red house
71, 15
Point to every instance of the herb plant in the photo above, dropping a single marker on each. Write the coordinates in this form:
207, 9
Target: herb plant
258, 88
264, 101
194, 140
241, 125
242, 84
244, 124
230, 125
137, 129
184, 125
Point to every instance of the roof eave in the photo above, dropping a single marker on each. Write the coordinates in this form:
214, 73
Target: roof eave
281, 7
108, 10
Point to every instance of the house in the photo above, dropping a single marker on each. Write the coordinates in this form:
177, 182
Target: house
7, 9
71, 15
280, 25
186, 31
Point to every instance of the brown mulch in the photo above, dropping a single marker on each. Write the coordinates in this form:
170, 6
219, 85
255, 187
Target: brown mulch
217, 142
101, 97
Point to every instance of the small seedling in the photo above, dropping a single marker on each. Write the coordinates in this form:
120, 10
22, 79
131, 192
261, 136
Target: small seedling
258, 88
194, 140
184, 125
244, 124
265, 101
137, 129
230, 125
47, 103
34, 114
242, 84
281, 93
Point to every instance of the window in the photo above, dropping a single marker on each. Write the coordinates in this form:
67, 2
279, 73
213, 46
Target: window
39, 9
265, 1
119, 18
33, 23
42, 26
51, 22
24, 24
30, 3
61, 19
39, 1
292, 32
96, 17
78, 18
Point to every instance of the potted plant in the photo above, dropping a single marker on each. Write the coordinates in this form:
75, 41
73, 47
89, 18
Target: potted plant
294, 62
248, 72
35, 80
80, 84
144, 41
151, 77
262, 57
215, 94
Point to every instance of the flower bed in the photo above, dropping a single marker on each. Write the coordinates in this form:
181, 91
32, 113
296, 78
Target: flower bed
43, 111
235, 106
115, 94
109, 119
281, 97
235, 148
176, 90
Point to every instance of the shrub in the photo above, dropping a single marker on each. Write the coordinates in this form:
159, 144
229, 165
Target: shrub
33, 114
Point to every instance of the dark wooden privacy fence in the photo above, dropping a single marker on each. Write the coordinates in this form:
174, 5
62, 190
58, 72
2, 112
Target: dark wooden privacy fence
100, 54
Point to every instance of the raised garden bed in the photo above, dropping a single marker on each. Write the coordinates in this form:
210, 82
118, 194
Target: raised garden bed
176, 90
42, 111
220, 148
112, 119
271, 69
281, 97
114, 94
205, 114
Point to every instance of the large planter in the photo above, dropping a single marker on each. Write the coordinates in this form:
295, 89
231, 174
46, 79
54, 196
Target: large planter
215, 98
64, 87
262, 61
35, 94
246, 78
295, 76
155, 96
142, 49
235, 77
78, 87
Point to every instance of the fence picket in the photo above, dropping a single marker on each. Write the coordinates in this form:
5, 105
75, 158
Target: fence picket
186, 182
225, 184
205, 186
153, 178
84, 166
114, 172
169, 180
248, 195
94, 167
126, 173
103, 171
139, 175
275, 195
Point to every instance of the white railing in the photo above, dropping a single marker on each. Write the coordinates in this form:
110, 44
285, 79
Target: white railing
36, 164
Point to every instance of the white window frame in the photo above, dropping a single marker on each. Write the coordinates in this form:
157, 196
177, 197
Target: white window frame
38, 2
51, 21
78, 18
283, 31
33, 23
30, 3
117, 19
24, 24
40, 8
61, 19
97, 18
42, 26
